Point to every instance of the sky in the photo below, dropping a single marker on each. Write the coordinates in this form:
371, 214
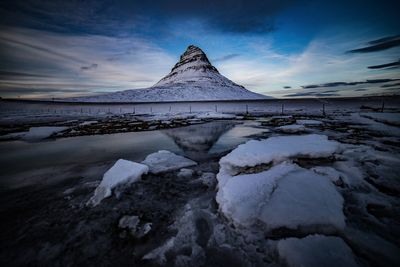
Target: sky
280, 48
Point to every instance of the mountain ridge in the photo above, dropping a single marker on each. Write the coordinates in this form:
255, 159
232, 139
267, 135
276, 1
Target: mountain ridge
193, 78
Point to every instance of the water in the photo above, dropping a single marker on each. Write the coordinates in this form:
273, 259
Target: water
24, 163
45, 185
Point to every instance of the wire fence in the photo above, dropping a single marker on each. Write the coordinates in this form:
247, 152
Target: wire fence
282, 107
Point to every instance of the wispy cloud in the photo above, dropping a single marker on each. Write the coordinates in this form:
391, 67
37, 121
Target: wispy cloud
90, 67
390, 65
379, 45
75, 61
225, 58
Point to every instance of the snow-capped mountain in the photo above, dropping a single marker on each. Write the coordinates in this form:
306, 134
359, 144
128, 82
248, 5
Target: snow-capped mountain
193, 78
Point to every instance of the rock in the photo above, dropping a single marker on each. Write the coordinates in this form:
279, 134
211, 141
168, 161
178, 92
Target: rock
132, 223
129, 222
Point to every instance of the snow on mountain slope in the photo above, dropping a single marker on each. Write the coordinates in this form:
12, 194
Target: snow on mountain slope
193, 78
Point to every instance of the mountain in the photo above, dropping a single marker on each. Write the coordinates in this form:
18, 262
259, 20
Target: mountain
193, 78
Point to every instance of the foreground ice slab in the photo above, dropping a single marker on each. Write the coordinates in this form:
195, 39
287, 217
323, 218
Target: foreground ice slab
316, 251
164, 161
285, 196
277, 149
39, 133
122, 172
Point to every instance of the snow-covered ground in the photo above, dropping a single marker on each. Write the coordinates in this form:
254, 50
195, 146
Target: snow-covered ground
247, 190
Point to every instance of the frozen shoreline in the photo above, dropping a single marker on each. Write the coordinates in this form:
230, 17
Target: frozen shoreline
171, 217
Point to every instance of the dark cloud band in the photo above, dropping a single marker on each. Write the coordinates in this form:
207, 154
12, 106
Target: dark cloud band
379, 45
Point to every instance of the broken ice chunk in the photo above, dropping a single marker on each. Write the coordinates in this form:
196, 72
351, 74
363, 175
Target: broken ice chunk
165, 161
278, 149
285, 196
122, 172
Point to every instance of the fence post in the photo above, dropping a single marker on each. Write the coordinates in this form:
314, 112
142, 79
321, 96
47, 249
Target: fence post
247, 109
282, 109
383, 106
134, 110
151, 109
169, 108
216, 108
323, 109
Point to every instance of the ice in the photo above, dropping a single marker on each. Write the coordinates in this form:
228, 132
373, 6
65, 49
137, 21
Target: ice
389, 118
123, 172
331, 173
371, 125
158, 255
374, 246
316, 251
85, 123
215, 115
165, 161
13, 136
277, 149
185, 173
208, 179
285, 196
242, 196
293, 128
308, 122
39, 133
303, 199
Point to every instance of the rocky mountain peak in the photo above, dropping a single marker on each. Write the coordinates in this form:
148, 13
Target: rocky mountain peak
191, 55
192, 63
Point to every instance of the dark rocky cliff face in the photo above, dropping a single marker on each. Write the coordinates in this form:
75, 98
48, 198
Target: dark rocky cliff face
194, 54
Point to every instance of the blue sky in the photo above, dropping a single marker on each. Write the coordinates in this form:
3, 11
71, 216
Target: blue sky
286, 48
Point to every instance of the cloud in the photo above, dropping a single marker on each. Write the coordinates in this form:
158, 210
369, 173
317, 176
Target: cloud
225, 58
393, 89
390, 85
90, 67
15, 74
41, 59
314, 94
335, 84
287, 87
379, 45
391, 65
107, 16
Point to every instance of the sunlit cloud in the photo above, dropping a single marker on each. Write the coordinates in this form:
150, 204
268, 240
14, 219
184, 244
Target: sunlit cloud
75, 61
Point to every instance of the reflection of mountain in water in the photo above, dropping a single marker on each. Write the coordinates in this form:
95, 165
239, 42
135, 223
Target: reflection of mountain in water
197, 140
